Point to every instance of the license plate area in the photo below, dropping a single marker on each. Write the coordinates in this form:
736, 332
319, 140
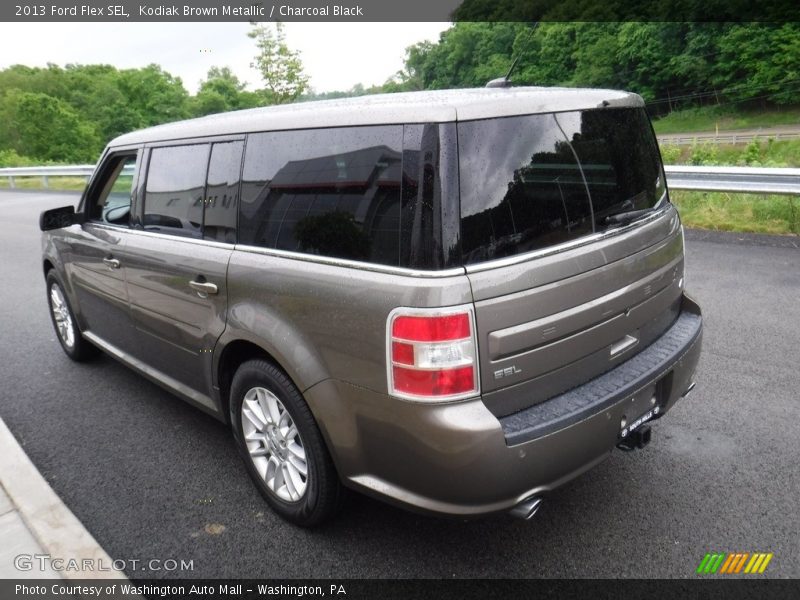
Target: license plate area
642, 408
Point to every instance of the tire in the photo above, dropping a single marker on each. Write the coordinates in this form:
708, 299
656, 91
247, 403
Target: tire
278, 438
69, 335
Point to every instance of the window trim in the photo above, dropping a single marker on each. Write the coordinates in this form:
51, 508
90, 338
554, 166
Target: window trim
146, 154
100, 178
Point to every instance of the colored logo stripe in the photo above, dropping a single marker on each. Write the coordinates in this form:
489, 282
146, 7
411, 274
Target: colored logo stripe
729, 563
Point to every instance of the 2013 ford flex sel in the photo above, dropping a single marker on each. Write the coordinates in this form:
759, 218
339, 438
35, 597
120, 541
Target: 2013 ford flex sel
454, 301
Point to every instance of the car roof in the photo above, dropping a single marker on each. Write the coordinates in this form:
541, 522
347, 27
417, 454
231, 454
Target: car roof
438, 106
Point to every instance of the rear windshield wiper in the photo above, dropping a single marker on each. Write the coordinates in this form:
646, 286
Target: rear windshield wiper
623, 218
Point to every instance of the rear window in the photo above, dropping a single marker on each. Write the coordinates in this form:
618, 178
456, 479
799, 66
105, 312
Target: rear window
535, 181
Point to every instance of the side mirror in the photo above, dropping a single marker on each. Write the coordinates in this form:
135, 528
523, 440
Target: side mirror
56, 218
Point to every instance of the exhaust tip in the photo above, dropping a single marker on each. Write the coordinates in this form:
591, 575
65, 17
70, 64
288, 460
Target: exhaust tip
527, 508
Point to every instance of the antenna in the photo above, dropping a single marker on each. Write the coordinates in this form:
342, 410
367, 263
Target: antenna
503, 82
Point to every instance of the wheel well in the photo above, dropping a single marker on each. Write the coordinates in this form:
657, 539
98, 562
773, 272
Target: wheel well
233, 355
47, 266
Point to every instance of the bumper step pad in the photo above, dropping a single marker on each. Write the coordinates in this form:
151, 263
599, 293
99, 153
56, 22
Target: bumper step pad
603, 391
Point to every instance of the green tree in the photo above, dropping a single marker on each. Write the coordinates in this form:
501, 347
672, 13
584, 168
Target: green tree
40, 126
222, 91
279, 66
759, 60
154, 94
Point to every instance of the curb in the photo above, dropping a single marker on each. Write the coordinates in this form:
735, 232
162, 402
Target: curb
59, 532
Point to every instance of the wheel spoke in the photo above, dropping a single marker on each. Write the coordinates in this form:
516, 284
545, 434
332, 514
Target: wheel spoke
290, 433
291, 486
263, 405
260, 451
297, 450
255, 419
274, 410
271, 473
54, 297
299, 465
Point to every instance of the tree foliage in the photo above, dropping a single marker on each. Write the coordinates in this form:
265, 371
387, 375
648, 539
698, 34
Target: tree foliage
670, 64
280, 67
68, 114
35, 124
222, 91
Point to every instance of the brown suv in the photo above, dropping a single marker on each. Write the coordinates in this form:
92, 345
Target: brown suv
455, 301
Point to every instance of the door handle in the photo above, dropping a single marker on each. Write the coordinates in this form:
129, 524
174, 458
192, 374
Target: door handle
112, 263
624, 344
203, 287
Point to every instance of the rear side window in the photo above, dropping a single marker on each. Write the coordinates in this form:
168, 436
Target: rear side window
535, 181
222, 192
331, 192
193, 190
176, 181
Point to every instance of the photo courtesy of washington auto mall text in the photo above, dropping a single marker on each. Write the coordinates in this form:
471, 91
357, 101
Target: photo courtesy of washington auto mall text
177, 590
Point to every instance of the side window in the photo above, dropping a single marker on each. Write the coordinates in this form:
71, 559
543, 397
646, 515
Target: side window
222, 192
332, 192
176, 178
112, 205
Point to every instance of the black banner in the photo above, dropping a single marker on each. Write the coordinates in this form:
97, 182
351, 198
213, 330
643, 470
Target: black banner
407, 10
716, 588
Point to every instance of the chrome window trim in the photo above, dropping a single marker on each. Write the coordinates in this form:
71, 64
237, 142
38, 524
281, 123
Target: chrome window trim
566, 246
166, 236
401, 271
351, 264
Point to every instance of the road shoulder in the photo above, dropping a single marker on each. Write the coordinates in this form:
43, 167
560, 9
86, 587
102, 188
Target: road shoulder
38, 522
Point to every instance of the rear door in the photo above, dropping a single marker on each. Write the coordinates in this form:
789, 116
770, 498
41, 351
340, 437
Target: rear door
177, 261
97, 252
563, 293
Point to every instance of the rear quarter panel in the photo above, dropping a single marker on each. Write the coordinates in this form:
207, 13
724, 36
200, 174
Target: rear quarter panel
321, 320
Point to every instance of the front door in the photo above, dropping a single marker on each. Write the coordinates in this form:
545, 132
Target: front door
97, 254
177, 262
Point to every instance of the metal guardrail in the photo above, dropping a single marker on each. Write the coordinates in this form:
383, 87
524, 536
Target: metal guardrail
749, 180
45, 173
725, 138
746, 180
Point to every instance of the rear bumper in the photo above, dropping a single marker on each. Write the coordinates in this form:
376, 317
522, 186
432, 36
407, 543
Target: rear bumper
459, 459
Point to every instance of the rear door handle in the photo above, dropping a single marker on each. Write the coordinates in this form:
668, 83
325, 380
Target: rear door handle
112, 263
203, 287
624, 344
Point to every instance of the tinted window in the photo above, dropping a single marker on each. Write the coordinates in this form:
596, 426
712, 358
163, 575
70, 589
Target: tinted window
112, 205
174, 193
619, 156
333, 192
222, 192
534, 181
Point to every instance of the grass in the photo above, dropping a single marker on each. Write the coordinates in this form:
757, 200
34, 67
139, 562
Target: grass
739, 212
708, 118
766, 153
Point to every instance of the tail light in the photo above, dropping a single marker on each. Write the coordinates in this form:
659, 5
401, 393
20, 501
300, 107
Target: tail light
432, 354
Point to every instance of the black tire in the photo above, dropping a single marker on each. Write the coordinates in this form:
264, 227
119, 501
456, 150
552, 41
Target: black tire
74, 344
322, 494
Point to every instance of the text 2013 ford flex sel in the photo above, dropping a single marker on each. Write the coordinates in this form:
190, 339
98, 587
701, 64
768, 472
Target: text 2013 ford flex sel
455, 301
